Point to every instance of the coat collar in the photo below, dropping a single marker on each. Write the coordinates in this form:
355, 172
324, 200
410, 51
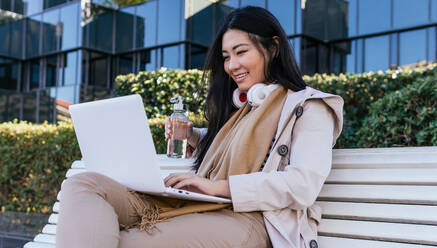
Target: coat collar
295, 99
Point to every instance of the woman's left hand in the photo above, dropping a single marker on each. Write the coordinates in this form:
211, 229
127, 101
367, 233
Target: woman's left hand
192, 182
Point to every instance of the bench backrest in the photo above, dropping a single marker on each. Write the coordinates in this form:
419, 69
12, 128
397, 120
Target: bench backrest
381, 197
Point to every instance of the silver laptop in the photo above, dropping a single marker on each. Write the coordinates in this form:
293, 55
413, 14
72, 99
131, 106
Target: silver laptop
115, 140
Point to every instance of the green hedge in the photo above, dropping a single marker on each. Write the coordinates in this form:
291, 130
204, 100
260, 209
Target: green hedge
360, 90
157, 87
407, 117
33, 162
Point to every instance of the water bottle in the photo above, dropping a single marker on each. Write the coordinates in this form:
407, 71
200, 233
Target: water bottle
177, 143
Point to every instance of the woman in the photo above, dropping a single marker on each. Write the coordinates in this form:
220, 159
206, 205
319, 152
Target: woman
271, 158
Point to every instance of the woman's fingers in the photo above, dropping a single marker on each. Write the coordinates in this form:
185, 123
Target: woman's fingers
174, 178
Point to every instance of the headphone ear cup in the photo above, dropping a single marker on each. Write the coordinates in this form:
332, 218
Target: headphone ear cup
239, 98
256, 94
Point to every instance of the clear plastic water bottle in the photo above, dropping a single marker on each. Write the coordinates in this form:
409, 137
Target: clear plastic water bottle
177, 143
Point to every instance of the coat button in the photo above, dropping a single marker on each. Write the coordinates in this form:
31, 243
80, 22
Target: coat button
282, 150
313, 244
299, 111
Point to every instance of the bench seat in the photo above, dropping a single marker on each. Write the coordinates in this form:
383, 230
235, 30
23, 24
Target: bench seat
373, 197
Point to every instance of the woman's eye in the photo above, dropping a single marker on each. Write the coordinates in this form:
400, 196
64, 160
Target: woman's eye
241, 52
225, 57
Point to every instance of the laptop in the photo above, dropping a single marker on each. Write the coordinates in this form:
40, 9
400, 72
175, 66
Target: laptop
115, 140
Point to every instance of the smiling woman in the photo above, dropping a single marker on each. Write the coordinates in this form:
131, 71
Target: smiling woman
259, 153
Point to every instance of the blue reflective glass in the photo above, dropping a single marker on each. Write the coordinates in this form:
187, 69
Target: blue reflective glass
171, 57
5, 5
32, 6
298, 16
284, 11
9, 106
124, 29
148, 60
412, 47
52, 3
69, 71
360, 56
5, 40
33, 36
376, 53
50, 20
170, 17
432, 53
351, 58
16, 38
68, 94
51, 70
98, 69
407, 13
259, 3
181, 56
34, 74
434, 10
46, 106
352, 17
8, 74
100, 28
29, 106
201, 23
374, 16
146, 24
69, 26
231, 3
394, 49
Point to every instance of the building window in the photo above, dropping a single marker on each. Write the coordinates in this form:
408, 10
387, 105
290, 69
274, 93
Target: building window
374, 16
376, 52
412, 47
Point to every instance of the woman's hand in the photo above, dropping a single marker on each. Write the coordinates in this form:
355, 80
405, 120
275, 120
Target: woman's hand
169, 129
194, 183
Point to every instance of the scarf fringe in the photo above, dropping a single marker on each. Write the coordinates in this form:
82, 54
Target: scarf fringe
146, 212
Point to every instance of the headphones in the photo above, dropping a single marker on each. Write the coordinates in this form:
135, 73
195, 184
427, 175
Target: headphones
255, 96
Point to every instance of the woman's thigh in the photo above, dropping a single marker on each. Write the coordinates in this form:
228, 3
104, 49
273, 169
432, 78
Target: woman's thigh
222, 228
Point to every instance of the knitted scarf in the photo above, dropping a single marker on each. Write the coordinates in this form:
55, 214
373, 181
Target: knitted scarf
239, 147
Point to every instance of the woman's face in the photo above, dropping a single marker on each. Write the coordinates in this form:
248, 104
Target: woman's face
242, 60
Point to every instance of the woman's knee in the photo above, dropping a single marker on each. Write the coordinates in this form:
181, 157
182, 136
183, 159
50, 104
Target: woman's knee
88, 180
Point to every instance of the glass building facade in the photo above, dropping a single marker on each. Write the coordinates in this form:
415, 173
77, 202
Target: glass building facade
54, 53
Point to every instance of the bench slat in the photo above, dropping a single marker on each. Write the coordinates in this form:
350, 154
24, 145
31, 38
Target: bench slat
49, 229
56, 207
403, 176
395, 232
53, 218
38, 245
45, 238
336, 242
379, 193
417, 214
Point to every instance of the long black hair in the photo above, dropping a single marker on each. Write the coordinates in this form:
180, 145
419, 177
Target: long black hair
261, 27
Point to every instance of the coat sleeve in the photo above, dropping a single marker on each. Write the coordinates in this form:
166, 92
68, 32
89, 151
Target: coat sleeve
298, 186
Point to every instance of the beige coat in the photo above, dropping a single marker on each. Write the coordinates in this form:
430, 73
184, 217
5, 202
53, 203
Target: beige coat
286, 189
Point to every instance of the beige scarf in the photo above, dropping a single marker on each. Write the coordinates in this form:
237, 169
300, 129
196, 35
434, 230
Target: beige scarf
239, 147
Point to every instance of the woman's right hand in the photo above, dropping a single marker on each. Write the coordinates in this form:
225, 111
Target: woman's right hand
169, 129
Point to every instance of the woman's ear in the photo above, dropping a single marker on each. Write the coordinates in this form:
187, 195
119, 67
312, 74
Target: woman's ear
276, 47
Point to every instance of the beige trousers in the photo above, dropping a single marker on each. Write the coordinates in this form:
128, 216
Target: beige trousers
93, 206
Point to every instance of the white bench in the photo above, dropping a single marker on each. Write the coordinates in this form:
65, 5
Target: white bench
376, 197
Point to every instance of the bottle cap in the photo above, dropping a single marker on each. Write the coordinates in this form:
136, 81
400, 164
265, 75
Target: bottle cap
178, 103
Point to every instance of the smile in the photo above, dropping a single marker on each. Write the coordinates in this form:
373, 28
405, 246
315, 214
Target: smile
241, 77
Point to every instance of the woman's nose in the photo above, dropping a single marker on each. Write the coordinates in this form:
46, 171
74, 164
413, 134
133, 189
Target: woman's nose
233, 64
